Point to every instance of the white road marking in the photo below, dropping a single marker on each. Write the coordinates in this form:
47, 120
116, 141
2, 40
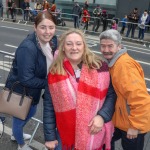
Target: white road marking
96, 52
8, 45
2, 84
137, 48
138, 51
4, 52
14, 28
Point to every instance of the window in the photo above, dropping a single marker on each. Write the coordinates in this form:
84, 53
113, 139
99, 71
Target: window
106, 2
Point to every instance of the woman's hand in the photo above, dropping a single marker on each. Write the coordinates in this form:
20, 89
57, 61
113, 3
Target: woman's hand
96, 124
51, 145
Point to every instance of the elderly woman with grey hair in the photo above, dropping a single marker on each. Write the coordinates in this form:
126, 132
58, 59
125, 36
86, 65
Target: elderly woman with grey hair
132, 115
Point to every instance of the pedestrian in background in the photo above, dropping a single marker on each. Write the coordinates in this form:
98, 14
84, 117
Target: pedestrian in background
133, 18
1, 9
46, 5
124, 22
80, 106
85, 18
97, 13
143, 21
76, 11
13, 11
104, 19
32, 60
9, 5
114, 25
86, 4
38, 6
132, 110
53, 8
25, 7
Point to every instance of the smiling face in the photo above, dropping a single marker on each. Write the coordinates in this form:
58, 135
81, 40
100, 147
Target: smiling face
74, 48
45, 30
109, 48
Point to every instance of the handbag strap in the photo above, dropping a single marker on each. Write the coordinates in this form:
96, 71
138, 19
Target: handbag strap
12, 89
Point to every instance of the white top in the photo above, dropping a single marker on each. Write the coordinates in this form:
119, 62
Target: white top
48, 53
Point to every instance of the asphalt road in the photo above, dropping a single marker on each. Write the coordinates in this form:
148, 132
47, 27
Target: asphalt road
11, 35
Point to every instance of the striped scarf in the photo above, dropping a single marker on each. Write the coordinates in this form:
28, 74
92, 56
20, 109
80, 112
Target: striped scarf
76, 103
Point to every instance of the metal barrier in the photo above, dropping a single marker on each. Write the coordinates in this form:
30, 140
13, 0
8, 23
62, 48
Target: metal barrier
12, 14
5, 65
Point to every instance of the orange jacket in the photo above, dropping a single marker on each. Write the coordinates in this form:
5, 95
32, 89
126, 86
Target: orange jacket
132, 108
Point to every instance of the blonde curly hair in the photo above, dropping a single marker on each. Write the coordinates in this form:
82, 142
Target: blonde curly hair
89, 58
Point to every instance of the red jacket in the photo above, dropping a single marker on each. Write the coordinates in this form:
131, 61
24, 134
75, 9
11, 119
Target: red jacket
86, 16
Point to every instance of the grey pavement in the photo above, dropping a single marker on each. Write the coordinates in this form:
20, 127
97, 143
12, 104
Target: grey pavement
37, 143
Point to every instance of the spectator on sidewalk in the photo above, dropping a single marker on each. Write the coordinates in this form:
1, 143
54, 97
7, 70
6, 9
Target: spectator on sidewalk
124, 22
32, 60
46, 5
97, 13
85, 18
133, 18
25, 7
76, 11
9, 5
38, 6
114, 25
13, 11
80, 106
142, 22
104, 19
132, 110
1, 9
86, 4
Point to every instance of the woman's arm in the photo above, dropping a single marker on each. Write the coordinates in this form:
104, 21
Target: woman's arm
26, 59
49, 122
108, 108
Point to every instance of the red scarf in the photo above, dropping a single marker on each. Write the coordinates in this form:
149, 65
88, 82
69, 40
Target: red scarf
76, 104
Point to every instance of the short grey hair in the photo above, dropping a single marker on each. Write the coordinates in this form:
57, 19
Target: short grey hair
112, 35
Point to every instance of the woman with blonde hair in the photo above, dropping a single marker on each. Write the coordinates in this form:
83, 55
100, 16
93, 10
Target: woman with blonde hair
82, 97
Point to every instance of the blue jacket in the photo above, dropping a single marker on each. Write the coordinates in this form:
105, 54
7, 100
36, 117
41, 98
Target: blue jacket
30, 68
49, 122
124, 21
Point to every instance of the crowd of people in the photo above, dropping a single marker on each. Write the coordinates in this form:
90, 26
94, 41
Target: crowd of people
27, 10
82, 17
134, 20
100, 17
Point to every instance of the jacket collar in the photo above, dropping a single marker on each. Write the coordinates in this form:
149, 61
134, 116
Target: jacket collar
116, 56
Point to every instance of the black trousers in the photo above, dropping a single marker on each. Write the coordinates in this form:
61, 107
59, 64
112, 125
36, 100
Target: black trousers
127, 144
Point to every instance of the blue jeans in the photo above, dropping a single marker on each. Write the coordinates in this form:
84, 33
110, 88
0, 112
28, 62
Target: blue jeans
18, 124
26, 15
141, 33
131, 27
76, 22
127, 144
